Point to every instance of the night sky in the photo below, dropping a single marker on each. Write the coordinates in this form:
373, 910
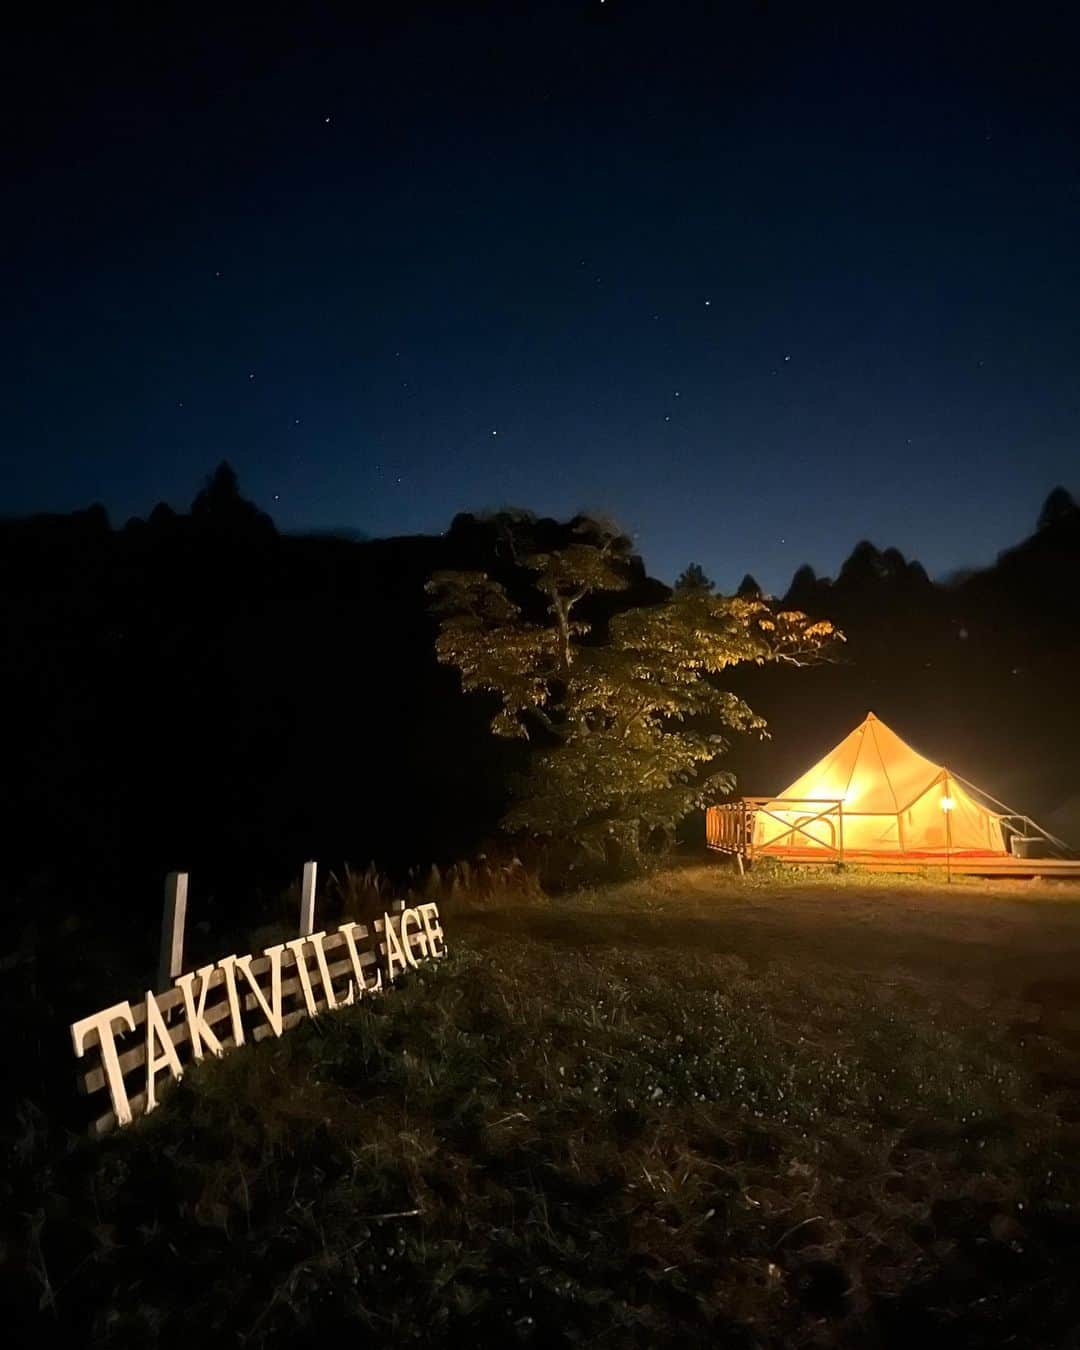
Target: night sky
758, 279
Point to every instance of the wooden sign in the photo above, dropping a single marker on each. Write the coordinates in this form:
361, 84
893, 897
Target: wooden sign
142, 1046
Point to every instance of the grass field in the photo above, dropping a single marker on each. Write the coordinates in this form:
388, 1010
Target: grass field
783, 1111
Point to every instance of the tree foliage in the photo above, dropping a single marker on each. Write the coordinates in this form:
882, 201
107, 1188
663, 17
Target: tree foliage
627, 718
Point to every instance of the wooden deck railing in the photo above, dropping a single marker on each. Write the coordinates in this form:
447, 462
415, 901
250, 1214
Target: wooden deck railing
729, 827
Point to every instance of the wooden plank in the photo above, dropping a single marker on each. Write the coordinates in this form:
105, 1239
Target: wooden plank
104, 1123
133, 1059
290, 1020
171, 1001
261, 964
130, 1060
172, 998
293, 986
988, 867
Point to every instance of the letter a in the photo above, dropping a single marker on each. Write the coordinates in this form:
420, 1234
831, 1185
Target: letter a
198, 1028
394, 955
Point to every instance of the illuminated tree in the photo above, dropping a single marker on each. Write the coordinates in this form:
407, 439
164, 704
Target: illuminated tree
623, 720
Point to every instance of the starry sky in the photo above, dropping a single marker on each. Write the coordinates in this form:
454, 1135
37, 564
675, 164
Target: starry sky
758, 279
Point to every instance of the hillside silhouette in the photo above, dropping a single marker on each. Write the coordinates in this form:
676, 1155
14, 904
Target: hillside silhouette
199, 690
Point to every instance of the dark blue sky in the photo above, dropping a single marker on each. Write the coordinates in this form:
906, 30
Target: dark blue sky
760, 280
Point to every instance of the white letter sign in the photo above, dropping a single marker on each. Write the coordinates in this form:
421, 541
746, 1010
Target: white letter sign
203, 999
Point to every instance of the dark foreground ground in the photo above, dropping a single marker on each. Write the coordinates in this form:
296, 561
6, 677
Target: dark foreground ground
779, 1112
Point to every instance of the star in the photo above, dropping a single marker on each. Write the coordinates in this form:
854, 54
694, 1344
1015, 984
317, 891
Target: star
494, 433
787, 358
251, 375
326, 121
277, 496
708, 303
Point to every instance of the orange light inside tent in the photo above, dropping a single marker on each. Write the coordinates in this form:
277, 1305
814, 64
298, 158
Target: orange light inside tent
873, 793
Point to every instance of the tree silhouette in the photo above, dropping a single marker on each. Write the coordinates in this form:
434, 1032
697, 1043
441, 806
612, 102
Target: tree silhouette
220, 509
803, 588
1058, 506
694, 579
864, 566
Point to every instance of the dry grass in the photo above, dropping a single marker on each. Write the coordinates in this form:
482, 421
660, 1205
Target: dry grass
691, 1110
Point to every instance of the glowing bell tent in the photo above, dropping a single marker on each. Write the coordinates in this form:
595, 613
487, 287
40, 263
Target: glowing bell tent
872, 794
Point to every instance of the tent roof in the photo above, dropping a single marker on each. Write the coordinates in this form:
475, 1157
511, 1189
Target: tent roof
872, 770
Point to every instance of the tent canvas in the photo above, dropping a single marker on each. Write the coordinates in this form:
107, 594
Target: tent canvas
873, 793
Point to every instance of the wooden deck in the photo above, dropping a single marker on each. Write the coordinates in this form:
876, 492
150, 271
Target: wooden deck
989, 865
729, 829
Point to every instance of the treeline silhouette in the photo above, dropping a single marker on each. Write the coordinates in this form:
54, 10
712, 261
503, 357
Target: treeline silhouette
201, 691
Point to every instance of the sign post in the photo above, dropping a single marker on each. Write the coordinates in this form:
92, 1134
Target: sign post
307, 900
171, 959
